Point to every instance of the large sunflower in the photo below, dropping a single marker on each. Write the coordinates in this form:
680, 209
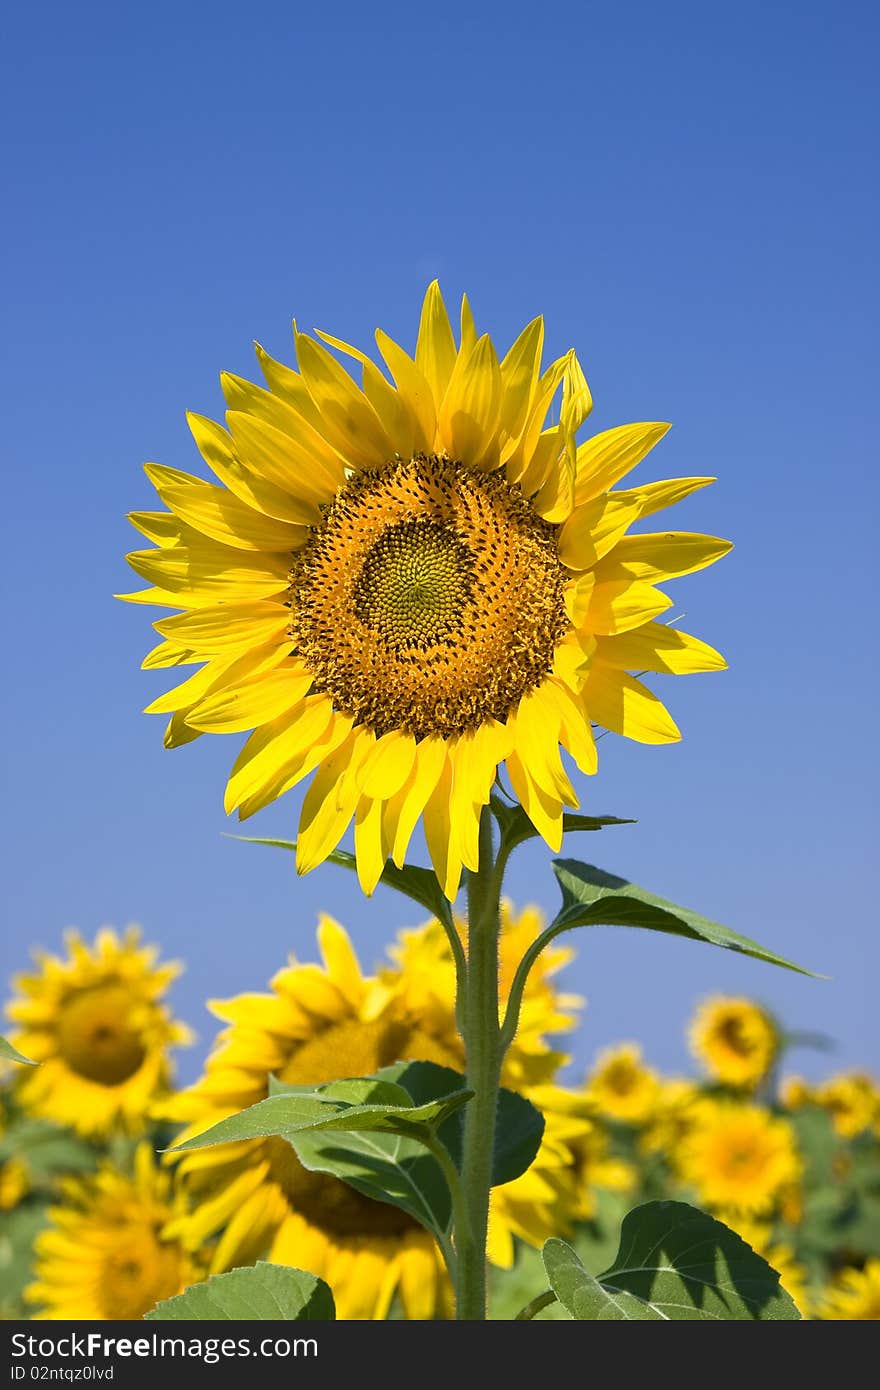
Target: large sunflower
318, 1023
402, 585
96, 1023
735, 1039
105, 1254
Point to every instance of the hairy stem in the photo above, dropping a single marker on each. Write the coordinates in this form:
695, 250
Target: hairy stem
483, 1050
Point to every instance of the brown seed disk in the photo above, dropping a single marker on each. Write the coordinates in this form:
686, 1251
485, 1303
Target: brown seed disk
429, 599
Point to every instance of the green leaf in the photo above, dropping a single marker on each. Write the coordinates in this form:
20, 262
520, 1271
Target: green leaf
591, 897
20, 1228
352, 1105
519, 1128
412, 880
8, 1053
264, 1292
47, 1149
674, 1263
516, 827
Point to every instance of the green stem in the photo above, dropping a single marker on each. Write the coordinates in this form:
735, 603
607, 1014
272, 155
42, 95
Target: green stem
543, 1300
483, 1051
460, 1213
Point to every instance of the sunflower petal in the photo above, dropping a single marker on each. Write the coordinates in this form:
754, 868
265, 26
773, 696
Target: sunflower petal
653, 497
622, 704
412, 387
593, 529
219, 454
217, 513
347, 418
656, 647
605, 458
620, 604
428, 766
330, 801
440, 835
435, 345
273, 744
252, 702
226, 627
468, 419
665, 554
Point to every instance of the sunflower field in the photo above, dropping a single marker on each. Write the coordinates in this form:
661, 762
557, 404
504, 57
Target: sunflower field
99, 1221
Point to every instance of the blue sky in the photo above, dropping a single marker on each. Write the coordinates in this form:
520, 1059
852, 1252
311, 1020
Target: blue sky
684, 192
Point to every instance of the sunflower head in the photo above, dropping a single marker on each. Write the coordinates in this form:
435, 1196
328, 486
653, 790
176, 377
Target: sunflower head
95, 1021
738, 1157
400, 583
621, 1087
105, 1254
853, 1102
735, 1039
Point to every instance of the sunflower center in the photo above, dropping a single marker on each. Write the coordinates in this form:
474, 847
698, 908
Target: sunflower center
734, 1036
350, 1048
137, 1274
429, 599
97, 1037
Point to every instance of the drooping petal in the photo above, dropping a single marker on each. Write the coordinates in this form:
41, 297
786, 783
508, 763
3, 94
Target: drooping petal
622, 704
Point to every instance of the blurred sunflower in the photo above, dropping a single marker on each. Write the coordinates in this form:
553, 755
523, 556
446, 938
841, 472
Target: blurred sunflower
853, 1102
402, 585
738, 1157
320, 1023
853, 1296
735, 1039
621, 1087
671, 1117
105, 1254
96, 1024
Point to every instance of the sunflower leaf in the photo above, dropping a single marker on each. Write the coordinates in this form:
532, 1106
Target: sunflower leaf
8, 1053
591, 897
674, 1263
412, 880
264, 1292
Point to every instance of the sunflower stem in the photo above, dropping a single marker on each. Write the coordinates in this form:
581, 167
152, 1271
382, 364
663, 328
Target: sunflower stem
483, 1051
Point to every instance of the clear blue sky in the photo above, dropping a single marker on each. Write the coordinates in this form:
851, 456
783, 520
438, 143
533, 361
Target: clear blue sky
685, 191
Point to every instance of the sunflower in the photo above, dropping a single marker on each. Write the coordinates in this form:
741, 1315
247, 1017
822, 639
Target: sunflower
671, 1117
621, 1087
105, 1254
424, 976
402, 585
95, 1022
735, 1039
318, 1023
853, 1102
738, 1157
854, 1296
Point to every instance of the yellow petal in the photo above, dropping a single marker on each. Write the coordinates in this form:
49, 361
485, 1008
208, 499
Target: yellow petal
577, 595
348, 420
435, 345
618, 605
429, 761
666, 554
274, 455
655, 647
518, 461
653, 497
216, 674
370, 844
439, 835
575, 732
593, 529
520, 370
317, 461
468, 418
280, 777
468, 327
608, 456
543, 810
169, 654
226, 627
252, 702
536, 729
286, 388
621, 703
412, 387
178, 732
274, 744
217, 450
210, 570
163, 529
330, 801
340, 958
576, 401
217, 513
388, 765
